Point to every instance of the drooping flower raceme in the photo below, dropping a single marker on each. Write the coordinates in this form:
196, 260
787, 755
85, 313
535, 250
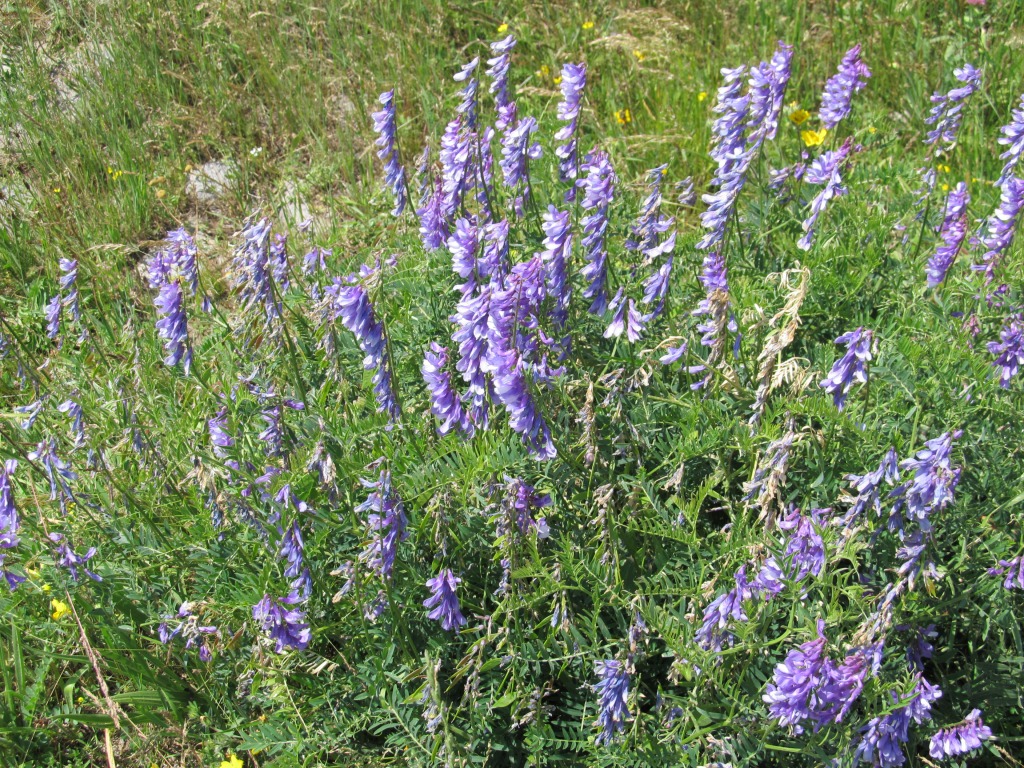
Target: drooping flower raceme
935, 479
947, 113
285, 623
9, 521
960, 739
1013, 569
556, 255
455, 168
498, 71
792, 695
1009, 351
1001, 227
53, 317
951, 234
516, 152
598, 193
385, 125
467, 107
351, 304
612, 688
805, 549
67, 558
713, 633
443, 601
74, 411
385, 525
866, 491
252, 274
851, 367
574, 80
651, 224
825, 172
445, 402
714, 307
839, 90
1013, 140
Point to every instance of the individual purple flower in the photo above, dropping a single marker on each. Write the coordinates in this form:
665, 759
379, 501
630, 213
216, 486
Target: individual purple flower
1009, 351
74, 412
385, 125
792, 696
805, 549
948, 110
851, 367
612, 689
960, 739
498, 72
824, 171
67, 558
351, 304
219, 436
445, 402
386, 525
951, 234
686, 194
467, 107
934, 481
1013, 569
556, 256
443, 601
285, 623
574, 80
433, 224
53, 317
1013, 140
598, 193
1000, 228
851, 78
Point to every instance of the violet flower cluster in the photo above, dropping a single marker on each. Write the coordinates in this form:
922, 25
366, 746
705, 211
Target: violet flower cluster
252, 275
851, 78
935, 478
445, 402
612, 689
598, 192
67, 558
385, 525
824, 172
385, 125
189, 628
498, 67
1000, 228
556, 257
960, 739
443, 601
283, 621
351, 305
9, 522
574, 80
1013, 140
951, 234
1009, 351
947, 113
883, 737
1012, 569
851, 367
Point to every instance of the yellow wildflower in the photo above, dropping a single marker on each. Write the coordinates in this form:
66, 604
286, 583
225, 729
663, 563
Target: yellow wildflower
45, 587
702, 95
56, 190
813, 138
945, 187
943, 168
800, 117
160, 193
640, 55
544, 70
231, 762
502, 29
557, 80
872, 130
60, 609
623, 116
588, 25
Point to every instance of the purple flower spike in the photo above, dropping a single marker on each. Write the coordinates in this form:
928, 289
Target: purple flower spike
351, 304
67, 558
824, 171
1013, 140
713, 633
851, 367
952, 233
556, 256
219, 436
935, 479
1001, 227
443, 601
385, 525
850, 79
444, 400
285, 624
1009, 351
517, 151
53, 317
574, 80
467, 107
599, 191
613, 699
433, 224
948, 110
172, 326
385, 125
805, 548
960, 739
792, 694
455, 164
498, 71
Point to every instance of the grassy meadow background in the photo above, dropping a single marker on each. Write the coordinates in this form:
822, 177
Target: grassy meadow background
109, 114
